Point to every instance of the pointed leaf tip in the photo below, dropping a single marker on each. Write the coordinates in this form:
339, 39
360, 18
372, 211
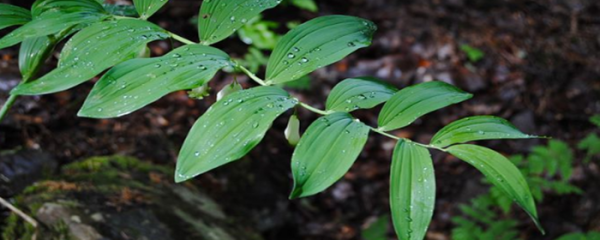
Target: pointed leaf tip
231, 128
326, 152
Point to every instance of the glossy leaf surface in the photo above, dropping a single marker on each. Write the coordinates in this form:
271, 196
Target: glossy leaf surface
136, 83
33, 53
93, 50
325, 152
230, 129
357, 93
12, 15
412, 190
219, 19
500, 172
41, 7
147, 8
317, 43
477, 128
48, 24
415, 101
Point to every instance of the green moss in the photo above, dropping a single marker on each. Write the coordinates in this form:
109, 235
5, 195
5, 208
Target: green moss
112, 164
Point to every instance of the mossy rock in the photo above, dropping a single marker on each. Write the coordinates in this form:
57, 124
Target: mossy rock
120, 198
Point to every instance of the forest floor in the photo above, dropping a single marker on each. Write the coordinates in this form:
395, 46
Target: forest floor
541, 70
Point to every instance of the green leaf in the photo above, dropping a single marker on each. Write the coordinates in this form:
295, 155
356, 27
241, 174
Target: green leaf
121, 10
12, 15
317, 43
48, 24
93, 50
41, 7
412, 190
33, 53
501, 173
260, 33
308, 5
355, 93
136, 83
473, 54
147, 8
230, 129
477, 128
415, 101
591, 144
326, 152
377, 230
219, 19
595, 120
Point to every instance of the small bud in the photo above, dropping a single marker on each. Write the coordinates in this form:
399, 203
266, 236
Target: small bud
229, 89
200, 92
292, 131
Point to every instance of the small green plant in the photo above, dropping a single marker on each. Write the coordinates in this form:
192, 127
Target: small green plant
547, 169
473, 54
237, 122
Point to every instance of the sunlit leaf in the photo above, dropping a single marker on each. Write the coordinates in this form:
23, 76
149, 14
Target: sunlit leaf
147, 8
93, 50
317, 43
219, 19
501, 173
48, 24
230, 129
136, 83
326, 151
12, 15
477, 128
415, 101
356, 93
412, 190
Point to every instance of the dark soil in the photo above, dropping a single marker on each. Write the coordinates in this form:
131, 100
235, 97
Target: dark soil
541, 70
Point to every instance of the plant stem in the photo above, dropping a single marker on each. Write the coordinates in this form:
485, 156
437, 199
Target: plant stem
181, 39
405, 139
304, 105
313, 109
252, 76
9, 102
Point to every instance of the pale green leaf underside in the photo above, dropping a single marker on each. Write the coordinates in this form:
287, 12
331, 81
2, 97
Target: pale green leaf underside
358, 93
41, 7
48, 24
136, 83
93, 50
412, 190
33, 53
317, 43
147, 8
230, 129
415, 101
326, 152
477, 128
218, 19
12, 15
500, 172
